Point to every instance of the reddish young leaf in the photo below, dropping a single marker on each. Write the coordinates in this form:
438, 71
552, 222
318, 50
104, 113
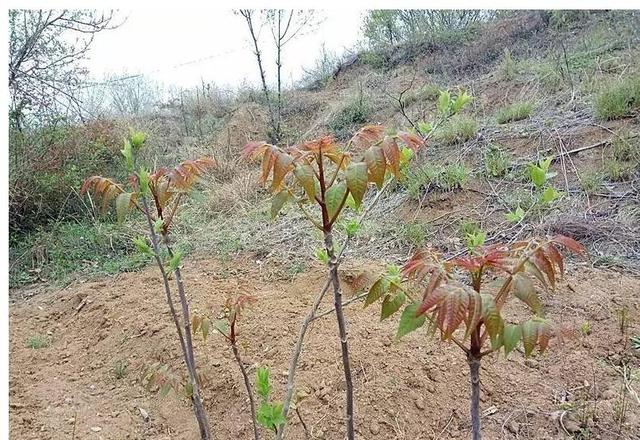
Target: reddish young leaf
392, 153
282, 165
411, 140
376, 164
431, 300
554, 256
545, 266
570, 244
367, 136
252, 149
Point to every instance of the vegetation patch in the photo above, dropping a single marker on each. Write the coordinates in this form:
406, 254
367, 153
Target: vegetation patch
457, 130
514, 112
619, 99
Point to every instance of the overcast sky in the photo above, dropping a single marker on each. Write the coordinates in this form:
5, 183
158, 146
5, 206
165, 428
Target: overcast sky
216, 44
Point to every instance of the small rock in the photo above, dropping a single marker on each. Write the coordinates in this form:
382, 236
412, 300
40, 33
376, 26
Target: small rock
144, 414
420, 403
513, 427
374, 428
284, 373
430, 388
96, 429
532, 363
320, 434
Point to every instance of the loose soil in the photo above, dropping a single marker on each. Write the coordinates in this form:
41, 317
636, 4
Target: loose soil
415, 388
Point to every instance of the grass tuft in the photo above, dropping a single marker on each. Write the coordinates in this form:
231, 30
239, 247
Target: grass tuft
618, 100
37, 342
514, 112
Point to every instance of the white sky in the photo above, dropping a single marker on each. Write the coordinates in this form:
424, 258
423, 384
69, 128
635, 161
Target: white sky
154, 41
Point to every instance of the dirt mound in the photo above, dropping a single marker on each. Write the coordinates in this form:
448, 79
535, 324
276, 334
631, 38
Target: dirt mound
415, 388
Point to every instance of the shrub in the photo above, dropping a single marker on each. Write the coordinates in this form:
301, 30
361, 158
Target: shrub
458, 129
421, 180
120, 369
626, 148
618, 100
355, 112
514, 112
496, 161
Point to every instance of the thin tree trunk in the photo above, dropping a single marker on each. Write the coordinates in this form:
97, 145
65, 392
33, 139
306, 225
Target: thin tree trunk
474, 376
248, 16
293, 365
342, 328
247, 384
186, 317
187, 349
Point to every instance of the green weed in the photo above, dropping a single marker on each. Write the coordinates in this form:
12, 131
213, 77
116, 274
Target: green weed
496, 161
37, 342
514, 112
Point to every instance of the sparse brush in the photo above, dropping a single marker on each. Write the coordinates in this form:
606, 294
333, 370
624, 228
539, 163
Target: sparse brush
508, 66
496, 161
619, 171
514, 112
420, 179
355, 112
415, 234
591, 182
619, 99
626, 148
38, 341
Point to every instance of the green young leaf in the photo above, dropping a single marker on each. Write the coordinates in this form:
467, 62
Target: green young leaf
444, 103
529, 336
424, 128
142, 246
158, 225
143, 179
123, 202
538, 175
164, 390
525, 291
544, 164
221, 326
357, 179
278, 201
475, 239
549, 195
322, 256
491, 316
175, 261
515, 216
127, 153
409, 321
510, 337
392, 304
379, 288
352, 227
270, 415
306, 177
137, 139
461, 100
334, 197
262, 382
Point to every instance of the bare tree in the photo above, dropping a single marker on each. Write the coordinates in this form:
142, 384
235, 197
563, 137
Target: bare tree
285, 25
132, 95
45, 47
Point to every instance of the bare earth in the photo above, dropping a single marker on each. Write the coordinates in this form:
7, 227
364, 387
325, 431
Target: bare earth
412, 389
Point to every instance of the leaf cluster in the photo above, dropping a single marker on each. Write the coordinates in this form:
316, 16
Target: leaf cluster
459, 310
327, 174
